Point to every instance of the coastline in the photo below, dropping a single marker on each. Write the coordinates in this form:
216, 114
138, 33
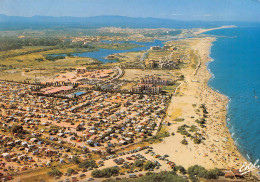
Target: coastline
201, 30
227, 100
234, 147
219, 149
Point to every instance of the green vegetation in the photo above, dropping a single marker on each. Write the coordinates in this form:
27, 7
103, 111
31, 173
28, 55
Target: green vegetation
200, 171
170, 88
180, 168
204, 109
196, 137
75, 160
70, 171
179, 119
24, 51
201, 122
197, 141
55, 172
39, 59
149, 165
17, 129
169, 176
107, 172
194, 59
181, 77
182, 130
88, 163
138, 163
172, 33
162, 133
11, 43
54, 58
184, 142
193, 128
116, 46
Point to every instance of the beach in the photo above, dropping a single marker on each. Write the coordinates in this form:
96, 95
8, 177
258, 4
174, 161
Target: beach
201, 30
218, 149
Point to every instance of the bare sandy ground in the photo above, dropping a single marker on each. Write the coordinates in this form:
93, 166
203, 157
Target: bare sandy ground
201, 30
218, 150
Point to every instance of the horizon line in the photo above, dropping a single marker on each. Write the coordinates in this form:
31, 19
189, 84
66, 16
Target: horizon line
106, 15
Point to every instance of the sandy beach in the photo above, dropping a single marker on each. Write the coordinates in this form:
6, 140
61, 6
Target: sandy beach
201, 30
218, 149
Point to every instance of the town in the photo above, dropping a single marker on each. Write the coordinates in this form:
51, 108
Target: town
92, 121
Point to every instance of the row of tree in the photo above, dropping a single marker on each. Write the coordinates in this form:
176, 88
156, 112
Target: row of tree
11, 43
106, 172
54, 58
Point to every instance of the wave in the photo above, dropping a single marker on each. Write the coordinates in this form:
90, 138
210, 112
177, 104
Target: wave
242, 118
229, 125
248, 156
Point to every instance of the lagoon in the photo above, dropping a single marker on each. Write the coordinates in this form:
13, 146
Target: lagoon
102, 53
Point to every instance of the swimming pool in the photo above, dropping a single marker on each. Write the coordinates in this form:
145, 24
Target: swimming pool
78, 93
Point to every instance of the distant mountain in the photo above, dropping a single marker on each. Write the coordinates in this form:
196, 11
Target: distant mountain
35, 22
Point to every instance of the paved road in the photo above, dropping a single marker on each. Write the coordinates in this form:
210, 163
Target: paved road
120, 73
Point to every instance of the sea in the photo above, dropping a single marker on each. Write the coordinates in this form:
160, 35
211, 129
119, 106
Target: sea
235, 73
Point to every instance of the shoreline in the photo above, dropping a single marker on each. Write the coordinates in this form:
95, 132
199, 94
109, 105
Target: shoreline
231, 139
219, 149
201, 30
212, 76
233, 146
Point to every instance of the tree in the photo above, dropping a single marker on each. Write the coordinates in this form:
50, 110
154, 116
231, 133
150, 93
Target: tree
75, 160
197, 170
109, 150
184, 142
213, 173
107, 172
70, 171
180, 168
158, 177
202, 172
197, 141
88, 163
139, 163
17, 129
149, 165
55, 172
193, 178
79, 128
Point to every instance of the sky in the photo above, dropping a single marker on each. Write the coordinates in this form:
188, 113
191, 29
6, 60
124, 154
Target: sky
212, 10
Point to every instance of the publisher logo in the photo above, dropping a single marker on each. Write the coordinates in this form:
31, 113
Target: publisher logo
249, 167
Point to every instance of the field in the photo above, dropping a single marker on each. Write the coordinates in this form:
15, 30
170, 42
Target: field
34, 70
136, 74
26, 66
155, 55
119, 46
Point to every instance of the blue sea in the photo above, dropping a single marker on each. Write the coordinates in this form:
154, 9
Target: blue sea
236, 74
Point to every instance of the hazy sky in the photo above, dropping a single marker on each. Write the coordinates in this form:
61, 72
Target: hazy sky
241, 10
